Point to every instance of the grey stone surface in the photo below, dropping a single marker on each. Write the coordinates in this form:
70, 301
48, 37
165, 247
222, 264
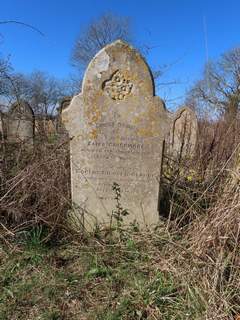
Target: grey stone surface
2, 133
20, 123
64, 103
117, 127
183, 134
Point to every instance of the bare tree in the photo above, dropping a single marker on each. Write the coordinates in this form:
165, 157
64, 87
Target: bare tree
5, 69
44, 92
7, 85
98, 34
41, 90
219, 89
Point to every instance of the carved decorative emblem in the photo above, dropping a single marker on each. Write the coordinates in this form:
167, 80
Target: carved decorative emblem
117, 87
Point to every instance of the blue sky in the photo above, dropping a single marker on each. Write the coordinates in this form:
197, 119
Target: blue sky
174, 28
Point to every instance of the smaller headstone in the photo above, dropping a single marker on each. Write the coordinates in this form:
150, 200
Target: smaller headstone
20, 123
50, 127
45, 126
2, 133
2, 148
183, 134
64, 103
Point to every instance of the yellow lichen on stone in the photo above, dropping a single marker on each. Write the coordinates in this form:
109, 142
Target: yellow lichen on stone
146, 132
93, 115
93, 134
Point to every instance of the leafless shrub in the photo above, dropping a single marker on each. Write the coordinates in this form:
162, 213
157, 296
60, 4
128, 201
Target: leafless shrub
193, 185
219, 229
36, 187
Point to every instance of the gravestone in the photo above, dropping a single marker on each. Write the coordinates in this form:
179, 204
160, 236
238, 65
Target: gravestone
50, 126
2, 149
2, 129
64, 103
117, 127
20, 123
183, 134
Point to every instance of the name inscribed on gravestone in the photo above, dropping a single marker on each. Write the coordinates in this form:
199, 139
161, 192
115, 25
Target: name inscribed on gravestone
116, 157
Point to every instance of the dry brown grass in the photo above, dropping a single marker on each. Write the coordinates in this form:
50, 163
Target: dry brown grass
197, 244
35, 187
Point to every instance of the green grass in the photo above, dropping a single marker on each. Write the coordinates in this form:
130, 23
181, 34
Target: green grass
95, 279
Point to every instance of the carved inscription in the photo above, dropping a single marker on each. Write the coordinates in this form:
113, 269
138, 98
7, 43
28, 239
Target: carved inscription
118, 87
113, 157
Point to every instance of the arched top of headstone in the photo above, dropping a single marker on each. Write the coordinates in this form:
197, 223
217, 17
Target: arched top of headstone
21, 109
118, 71
1, 116
185, 110
64, 103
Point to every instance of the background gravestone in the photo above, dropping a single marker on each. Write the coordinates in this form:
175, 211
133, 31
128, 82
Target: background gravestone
2, 127
64, 103
2, 149
117, 127
20, 123
183, 134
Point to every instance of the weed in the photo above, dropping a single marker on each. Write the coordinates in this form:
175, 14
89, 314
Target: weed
119, 212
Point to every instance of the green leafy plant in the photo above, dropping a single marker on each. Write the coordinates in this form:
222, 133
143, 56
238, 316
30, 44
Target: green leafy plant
119, 212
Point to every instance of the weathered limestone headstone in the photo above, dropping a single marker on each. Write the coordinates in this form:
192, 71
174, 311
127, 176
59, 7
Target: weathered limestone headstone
2, 148
183, 133
21, 123
2, 129
50, 126
117, 127
64, 103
